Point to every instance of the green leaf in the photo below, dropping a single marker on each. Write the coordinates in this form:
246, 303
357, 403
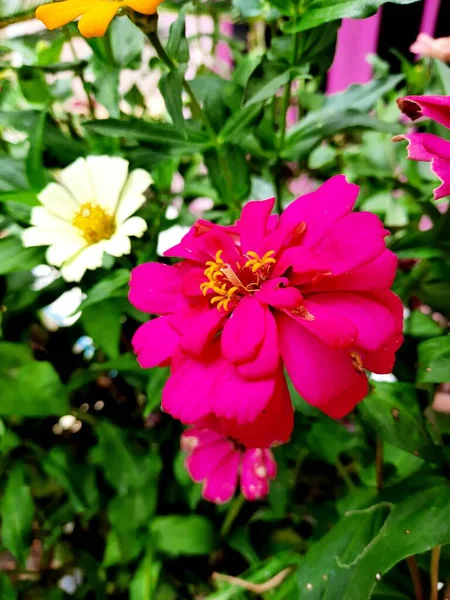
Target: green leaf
35, 165
348, 562
270, 89
29, 388
171, 86
12, 174
339, 112
114, 285
421, 325
77, 480
239, 123
161, 135
392, 409
17, 515
123, 469
14, 257
317, 12
177, 46
143, 585
328, 439
7, 591
434, 360
101, 321
127, 43
179, 535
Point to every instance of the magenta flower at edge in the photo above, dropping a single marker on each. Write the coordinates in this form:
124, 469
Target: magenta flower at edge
427, 146
307, 291
219, 462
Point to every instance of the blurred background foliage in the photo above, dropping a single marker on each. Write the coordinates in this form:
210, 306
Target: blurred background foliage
95, 502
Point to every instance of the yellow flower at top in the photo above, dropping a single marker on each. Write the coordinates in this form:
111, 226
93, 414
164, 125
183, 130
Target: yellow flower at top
96, 15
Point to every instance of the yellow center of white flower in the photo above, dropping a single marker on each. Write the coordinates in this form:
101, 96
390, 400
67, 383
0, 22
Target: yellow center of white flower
94, 222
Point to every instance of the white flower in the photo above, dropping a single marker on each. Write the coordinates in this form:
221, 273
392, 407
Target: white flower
170, 237
88, 213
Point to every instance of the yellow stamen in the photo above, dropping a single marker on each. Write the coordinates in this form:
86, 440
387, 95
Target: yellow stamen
95, 223
357, 362
225, 281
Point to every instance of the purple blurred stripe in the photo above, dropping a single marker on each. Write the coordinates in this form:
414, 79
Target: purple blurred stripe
356, 39
430, 16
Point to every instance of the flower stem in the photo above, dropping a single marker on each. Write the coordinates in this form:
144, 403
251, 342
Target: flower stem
379, 457
434, 572
80, 73
233, 511
285, 104
165, 58
415, 576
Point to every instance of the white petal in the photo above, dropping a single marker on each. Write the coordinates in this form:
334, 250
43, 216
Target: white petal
132, 196
41, 236
41, 217
57, 254
88, 258
133, 226
58, 201
109, 174
77, 179
117, 245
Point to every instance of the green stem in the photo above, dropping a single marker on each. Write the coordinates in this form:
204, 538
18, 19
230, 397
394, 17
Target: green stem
80, 73
379, 458
233, 511
345, 475
165, 58
197, 112
285, 104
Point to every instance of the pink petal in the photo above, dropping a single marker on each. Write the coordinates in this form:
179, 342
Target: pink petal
253, 225
188, 392
434, 107
205, 459
267, 360
221, 484
373, 323
199, 328
189, 248
320, 209
155, 342
244, 330
254, 476
271, 464
273, 425
321, 374
425, 146
325, 322
441, 168
195, 437
354, 240
343, 405
377, 274
156, 288
382, 361
299, 260
192, 280
277, 292
233, 397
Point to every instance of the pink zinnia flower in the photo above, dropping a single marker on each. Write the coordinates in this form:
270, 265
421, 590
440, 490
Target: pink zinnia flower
427, 146
219, 461
307, 291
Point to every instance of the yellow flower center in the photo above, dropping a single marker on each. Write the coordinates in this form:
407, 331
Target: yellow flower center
94, 222
225, 284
